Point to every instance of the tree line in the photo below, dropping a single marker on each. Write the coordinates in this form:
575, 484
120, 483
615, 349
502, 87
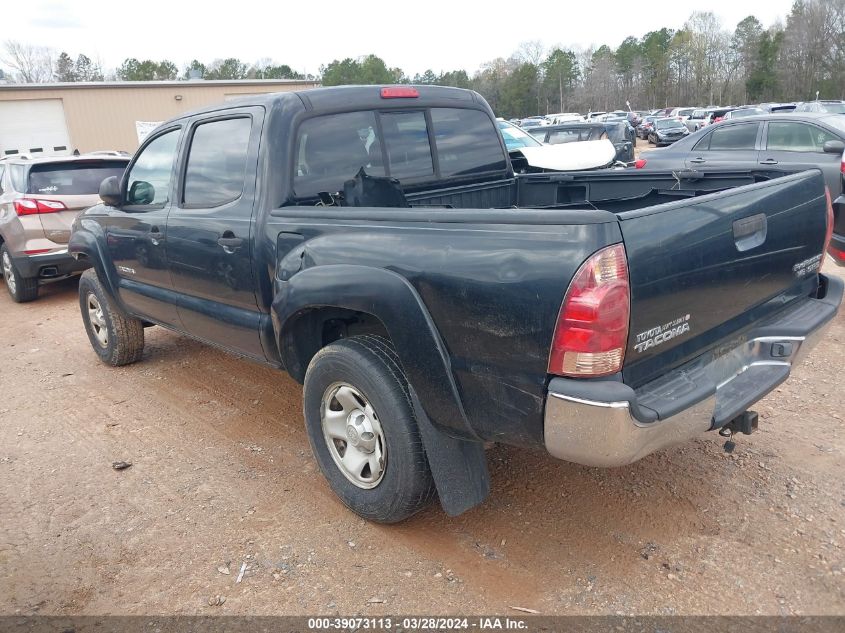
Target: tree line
702, 63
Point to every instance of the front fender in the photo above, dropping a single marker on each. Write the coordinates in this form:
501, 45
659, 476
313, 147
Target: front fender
88, 239
390, 298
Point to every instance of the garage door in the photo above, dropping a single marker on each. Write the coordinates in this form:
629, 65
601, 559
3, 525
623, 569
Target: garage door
33, 126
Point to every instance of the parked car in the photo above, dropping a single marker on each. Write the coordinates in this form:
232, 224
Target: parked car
645, 127
739, 113
563, 117
829, 106
39, 199
667, 131
430, 300
682, 114
696, 119
533, 121
791, 141
617, 132
529, 155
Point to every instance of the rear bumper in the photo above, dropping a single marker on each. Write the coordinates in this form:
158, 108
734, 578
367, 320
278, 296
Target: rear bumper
49, 265
606, 423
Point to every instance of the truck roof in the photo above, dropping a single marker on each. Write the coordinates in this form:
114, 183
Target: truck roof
339, 98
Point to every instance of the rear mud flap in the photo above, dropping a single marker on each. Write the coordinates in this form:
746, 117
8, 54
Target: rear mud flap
459, 467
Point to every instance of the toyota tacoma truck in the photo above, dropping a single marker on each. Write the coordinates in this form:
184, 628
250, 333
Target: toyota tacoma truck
374, 243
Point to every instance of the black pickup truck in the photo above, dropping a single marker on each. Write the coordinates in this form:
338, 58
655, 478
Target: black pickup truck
375, 244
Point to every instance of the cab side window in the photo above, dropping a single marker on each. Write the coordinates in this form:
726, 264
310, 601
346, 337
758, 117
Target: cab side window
148, 183
2, 173
731, 137
217, 163
791, 136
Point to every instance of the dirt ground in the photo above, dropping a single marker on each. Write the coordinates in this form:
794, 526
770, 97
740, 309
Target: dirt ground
222, 477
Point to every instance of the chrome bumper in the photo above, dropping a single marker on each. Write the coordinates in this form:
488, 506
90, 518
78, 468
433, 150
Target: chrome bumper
594, 432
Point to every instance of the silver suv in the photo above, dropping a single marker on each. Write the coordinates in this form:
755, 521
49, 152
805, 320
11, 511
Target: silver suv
39, 200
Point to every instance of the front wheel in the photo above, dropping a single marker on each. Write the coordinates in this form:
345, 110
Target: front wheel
21, 289
363, 431
117, 338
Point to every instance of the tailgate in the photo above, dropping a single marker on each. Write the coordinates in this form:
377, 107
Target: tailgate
57, 225
705, 269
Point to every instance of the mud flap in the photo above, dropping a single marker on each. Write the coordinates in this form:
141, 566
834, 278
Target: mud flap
459, 467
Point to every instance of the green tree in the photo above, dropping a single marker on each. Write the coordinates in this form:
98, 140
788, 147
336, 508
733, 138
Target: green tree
65, 70
87, 70
454, 78
229, 68
196, 67
518, 92
763, 82
281, 71
148, 70
428, 77
364, 71
560, 73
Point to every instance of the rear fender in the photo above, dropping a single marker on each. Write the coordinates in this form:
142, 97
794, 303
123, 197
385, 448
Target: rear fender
390, 298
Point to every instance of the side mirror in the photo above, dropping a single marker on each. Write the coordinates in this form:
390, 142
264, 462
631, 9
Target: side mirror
833, 147
110, 191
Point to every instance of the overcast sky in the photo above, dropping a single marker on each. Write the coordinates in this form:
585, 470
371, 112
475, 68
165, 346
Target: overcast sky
437, 34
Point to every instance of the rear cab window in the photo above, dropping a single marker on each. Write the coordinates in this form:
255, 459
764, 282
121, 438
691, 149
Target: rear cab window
78, 178
413, 146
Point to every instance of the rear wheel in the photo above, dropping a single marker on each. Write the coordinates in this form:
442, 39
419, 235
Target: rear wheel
363, 431
21, 289
117, 338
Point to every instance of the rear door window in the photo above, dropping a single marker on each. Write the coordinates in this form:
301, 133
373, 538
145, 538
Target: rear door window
792, 136
731, 137
217, 162
78, 178
466, 142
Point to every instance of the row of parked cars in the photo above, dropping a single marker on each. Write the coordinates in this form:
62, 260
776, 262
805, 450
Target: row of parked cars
383, 246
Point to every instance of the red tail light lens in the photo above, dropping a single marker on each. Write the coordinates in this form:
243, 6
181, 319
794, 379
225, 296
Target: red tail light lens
33, 206
830, 220
592, 327
399, 93
842, 164
640, 163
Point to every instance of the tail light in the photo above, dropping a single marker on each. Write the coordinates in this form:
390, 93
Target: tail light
34, 206
592, 327
842, 164
640, 163
830, 220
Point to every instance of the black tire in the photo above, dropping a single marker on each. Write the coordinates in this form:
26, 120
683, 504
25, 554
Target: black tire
21, 289
369, 365
124, 340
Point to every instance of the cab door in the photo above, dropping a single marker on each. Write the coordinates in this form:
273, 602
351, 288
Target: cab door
209, 231
727, 145
136, 231
795, 145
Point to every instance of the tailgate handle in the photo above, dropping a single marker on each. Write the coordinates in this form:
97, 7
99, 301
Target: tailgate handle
750, 232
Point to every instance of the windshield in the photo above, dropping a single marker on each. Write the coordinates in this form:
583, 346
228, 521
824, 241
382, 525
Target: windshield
746, 112
686, 111
72, 179
663, 124
834, 108
516, 138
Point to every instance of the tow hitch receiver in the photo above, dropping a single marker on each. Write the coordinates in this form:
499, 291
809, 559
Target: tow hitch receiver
745, 423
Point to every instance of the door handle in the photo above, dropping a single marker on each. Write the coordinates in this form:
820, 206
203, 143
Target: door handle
156, 236
697, 160
229, 242
769, 161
